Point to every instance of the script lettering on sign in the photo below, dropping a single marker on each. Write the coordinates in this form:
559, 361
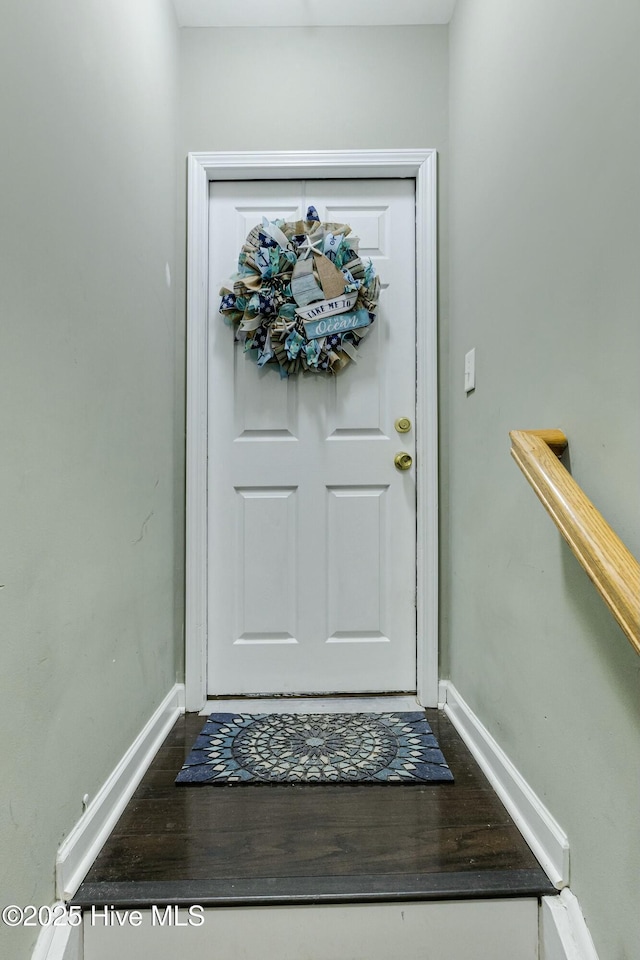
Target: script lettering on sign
337, 323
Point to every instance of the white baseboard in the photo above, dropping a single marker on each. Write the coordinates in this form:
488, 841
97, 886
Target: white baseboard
563, 931
59, 943
543, 834
81, 847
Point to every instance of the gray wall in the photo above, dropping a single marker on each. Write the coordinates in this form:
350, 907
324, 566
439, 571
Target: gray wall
545, 246
313, 88
88, 96
319, 88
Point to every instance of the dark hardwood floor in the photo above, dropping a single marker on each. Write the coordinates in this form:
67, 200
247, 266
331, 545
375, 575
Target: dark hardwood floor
311, 844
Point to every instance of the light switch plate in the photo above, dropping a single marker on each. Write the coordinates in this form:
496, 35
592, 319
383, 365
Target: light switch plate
470, 371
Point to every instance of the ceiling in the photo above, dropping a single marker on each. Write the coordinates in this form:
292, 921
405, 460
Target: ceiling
311, 13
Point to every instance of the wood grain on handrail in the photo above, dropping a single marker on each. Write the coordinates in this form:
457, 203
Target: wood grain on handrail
612, 568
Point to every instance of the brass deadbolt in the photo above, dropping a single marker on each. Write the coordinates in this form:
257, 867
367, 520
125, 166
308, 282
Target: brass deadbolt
403, 425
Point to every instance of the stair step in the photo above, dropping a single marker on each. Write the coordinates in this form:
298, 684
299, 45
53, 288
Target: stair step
374, 872
277, 891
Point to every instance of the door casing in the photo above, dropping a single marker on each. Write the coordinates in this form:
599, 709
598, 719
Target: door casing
420, 165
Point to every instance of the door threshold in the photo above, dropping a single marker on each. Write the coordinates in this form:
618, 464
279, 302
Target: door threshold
372, 703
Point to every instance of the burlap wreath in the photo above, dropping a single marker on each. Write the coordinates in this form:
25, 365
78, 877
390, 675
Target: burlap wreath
302, 298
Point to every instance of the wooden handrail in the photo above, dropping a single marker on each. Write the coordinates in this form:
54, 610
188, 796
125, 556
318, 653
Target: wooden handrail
612, 568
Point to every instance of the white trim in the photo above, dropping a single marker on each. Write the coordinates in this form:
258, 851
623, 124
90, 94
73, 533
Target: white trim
563, 932
427, 562
541, 831
204, 167
81, 847
196, 453
59, 943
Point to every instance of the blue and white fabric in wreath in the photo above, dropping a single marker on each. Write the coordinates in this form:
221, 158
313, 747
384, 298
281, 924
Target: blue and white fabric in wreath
302, 298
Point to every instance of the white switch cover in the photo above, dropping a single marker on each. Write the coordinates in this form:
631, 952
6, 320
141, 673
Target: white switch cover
470, 371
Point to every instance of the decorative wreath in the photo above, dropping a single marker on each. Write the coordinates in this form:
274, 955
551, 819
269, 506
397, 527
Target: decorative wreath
302, 298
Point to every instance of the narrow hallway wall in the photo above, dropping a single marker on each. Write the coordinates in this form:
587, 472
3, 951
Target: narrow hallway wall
89, 452
545, 245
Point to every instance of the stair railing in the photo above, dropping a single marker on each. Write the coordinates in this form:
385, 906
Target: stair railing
609, 564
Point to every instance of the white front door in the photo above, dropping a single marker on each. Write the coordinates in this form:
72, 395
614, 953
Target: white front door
311, 527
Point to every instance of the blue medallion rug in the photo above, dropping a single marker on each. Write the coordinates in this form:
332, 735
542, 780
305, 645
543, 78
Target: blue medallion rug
240, 748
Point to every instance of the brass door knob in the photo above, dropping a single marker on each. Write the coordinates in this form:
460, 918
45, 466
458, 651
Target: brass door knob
403, 461
403, 425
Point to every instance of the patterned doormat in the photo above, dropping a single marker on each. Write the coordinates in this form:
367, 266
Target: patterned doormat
240, 748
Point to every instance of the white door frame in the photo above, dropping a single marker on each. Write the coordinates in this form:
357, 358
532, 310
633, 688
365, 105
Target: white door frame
302, 165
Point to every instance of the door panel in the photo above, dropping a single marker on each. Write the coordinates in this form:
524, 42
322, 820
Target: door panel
311, 527
356, 563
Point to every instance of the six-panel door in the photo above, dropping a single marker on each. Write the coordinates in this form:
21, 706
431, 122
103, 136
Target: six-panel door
311, 527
